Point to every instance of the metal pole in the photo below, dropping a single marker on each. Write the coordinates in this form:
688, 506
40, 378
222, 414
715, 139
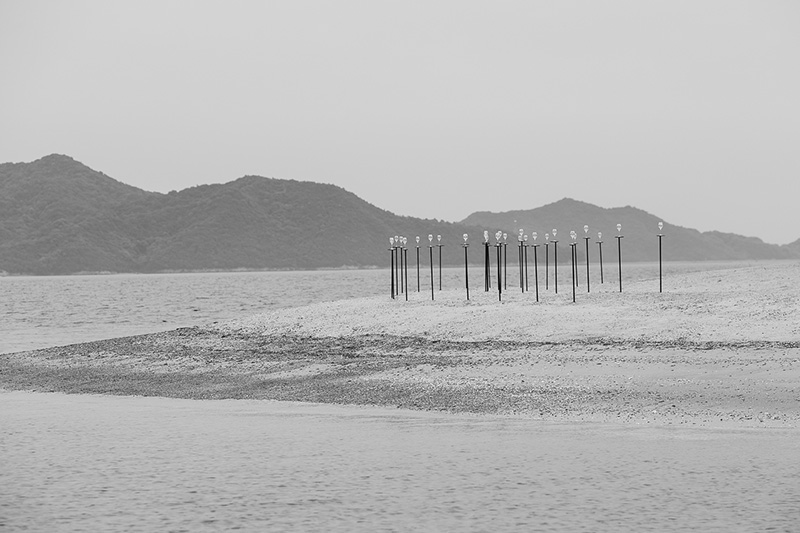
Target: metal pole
489, 263
397, 271
547, 266
619, 251
400, 254
574, 270
660, 283
525, 258
466, 269
405, 254
440, 265
431, 250
391, 253
486, 268
587, 263
519, 254
417, 268
555, 265
499, 272
536, 270
600, 246
505, 265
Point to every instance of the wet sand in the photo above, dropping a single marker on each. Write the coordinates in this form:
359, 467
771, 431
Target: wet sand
717, 348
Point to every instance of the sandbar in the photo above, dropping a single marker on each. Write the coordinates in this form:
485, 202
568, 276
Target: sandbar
718, 348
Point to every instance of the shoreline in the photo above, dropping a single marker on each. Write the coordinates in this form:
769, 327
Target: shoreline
712, 354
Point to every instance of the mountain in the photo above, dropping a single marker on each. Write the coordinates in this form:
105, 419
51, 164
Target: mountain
58, 216
258, 223
639, 231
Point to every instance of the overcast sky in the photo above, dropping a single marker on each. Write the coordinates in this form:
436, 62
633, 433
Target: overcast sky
689, 110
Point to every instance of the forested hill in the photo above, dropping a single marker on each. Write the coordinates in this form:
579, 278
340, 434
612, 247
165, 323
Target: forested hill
58, 216
639, 231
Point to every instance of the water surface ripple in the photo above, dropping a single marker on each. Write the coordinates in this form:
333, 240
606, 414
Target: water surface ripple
94, 463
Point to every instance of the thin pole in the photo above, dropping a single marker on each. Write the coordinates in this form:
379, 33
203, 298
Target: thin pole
600, 246
431, 250
391, 253
547, 266
440, 265
587, 263
555, 265
397, 271
466, 269
505, 265
519, 254
525, 256
486, 266
499, 272
400, 254
418, 268
405, 253
536, 270
660, 283
574, 270
619, 251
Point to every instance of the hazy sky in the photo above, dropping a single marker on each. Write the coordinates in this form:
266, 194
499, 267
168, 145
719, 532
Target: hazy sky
689, 110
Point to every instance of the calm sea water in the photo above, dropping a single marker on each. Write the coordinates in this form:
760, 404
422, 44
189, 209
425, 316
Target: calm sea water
38, 312
95, 463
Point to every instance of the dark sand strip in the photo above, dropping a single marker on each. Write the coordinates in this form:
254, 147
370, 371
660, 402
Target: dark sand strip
708, 383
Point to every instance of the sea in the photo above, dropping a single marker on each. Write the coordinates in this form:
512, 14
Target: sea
105, 463
43, 311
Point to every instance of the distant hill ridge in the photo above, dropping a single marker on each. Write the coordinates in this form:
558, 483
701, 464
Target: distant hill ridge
58, 216
639, 230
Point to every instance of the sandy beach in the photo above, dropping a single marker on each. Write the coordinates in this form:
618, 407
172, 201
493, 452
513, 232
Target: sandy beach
717, 348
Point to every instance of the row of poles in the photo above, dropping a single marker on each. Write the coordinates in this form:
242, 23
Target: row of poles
399, 264
399, 261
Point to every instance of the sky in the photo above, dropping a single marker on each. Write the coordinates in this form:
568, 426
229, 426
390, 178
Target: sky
689, 110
